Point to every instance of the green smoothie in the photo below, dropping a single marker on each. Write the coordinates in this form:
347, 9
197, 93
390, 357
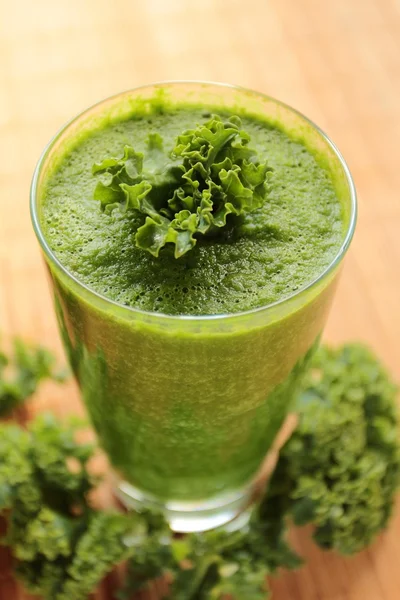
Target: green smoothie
188, 365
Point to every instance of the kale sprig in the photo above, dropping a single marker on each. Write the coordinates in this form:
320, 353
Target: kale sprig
62, 546
21, 374
341, 468
211, 564
211, 172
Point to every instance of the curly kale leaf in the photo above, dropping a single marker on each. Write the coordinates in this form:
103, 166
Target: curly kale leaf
102, 546
62, 547
247, 583
17, 479
43, 466
61, 463
48, 534
21, 374
210, 565
97, 547
153, 553
212, 173
341, 468
121, 172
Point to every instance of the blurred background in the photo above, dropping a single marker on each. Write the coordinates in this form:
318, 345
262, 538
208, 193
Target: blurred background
337, 61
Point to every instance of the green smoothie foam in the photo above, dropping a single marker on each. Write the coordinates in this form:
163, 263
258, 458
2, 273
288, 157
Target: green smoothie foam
279, 248
187, 408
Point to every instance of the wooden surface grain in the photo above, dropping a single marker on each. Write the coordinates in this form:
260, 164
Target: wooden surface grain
338, 62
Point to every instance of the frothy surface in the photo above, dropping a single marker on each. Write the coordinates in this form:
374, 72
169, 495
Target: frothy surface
278, 249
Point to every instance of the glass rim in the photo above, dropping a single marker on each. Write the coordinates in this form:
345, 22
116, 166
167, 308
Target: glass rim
130, 310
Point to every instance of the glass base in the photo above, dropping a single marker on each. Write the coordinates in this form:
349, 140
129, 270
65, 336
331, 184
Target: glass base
230, 510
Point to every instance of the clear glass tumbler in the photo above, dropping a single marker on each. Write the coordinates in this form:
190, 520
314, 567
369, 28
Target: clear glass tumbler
187, 407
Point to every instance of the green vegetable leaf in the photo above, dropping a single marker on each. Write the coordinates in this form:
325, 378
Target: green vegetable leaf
48, 534
43, 466
102, 546
21, 374
99, 545
119, 172
210, 565
244, 584
212, 173
341, 468
16, 470
62, 546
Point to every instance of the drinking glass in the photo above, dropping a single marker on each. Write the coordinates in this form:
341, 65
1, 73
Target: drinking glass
187, 407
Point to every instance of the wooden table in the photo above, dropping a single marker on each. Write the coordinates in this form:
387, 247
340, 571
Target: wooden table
338, 62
